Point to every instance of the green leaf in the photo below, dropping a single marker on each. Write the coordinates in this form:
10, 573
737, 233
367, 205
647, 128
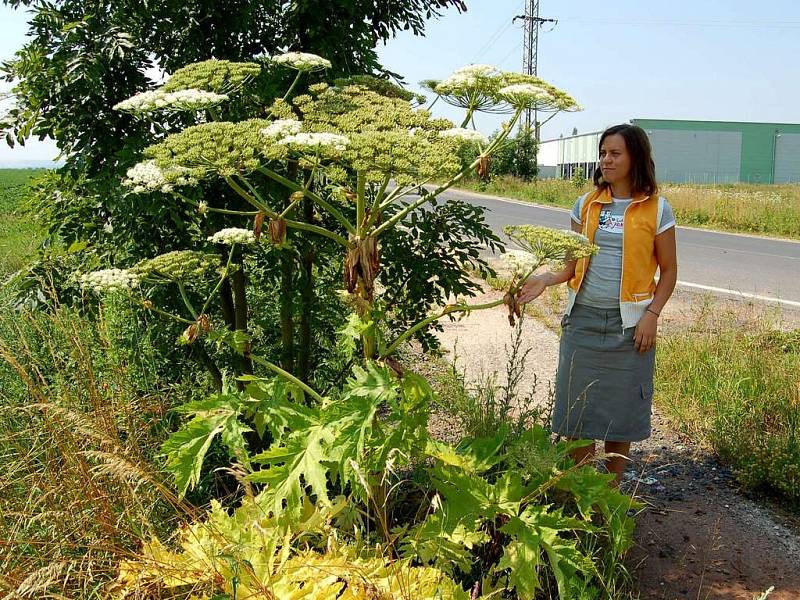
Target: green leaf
442, 543
302, 462
522, 557
278, 405
186, 448
537, 530
470, 496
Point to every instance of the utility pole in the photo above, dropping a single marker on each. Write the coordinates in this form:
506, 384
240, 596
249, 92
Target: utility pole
530, 51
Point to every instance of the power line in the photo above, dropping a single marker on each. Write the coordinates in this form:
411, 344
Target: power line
495, 37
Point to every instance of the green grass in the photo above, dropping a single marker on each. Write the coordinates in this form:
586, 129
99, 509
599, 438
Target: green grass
19, 233
745, 208
735, 388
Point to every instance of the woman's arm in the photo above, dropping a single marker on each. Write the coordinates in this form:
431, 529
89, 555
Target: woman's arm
667, 256
536, 284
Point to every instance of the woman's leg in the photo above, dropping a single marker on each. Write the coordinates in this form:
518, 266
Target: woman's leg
616, 464
581, 455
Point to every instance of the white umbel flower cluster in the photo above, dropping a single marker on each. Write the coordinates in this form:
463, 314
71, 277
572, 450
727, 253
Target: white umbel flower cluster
302, 61
109, 280
464, 135
147, 176
314, 141
233, 235
477, 71
467, 78
523, 94
281, 128
156, 100
519, 262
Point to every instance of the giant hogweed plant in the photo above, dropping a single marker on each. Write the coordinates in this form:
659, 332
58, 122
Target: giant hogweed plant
358, 157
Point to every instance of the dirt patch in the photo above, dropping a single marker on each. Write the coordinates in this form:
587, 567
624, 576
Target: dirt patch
700, 536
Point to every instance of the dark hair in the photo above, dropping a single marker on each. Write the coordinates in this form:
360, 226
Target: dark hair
643, 169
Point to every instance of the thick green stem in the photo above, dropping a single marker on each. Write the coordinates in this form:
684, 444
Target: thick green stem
240, 313
288, 376
224, 211
375, 210
250, 198
186, 301
222, 279
213, 370
296, 187
286, 311
226, 304
306, 301
453, 308
169, 315
361, 187
288, 93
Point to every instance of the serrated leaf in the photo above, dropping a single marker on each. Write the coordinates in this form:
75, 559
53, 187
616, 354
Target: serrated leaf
302, 462
277, 405
441, 543
186, 449
538, 530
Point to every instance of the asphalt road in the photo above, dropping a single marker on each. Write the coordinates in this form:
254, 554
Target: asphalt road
722, 263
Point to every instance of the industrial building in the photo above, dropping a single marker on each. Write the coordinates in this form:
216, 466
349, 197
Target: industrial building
693, 152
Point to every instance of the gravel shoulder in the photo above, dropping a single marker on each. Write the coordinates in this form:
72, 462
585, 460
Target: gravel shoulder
699, 536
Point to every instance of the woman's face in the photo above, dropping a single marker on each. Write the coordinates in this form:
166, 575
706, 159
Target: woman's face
615, 161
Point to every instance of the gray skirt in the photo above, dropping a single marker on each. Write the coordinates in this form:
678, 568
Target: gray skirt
604, 387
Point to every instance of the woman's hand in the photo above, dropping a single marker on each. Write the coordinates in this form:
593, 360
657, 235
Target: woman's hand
532, 288
644, 336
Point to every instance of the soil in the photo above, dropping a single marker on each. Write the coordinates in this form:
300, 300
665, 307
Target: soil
700, 536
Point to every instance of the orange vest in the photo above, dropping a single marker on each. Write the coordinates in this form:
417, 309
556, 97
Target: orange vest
639, 263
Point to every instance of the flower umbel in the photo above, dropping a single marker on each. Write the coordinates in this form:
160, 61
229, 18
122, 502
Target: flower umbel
282, 128
146, 176
159, 100
302, 61
233, 235
179, 265
464, 135
109, 280
550, 245
520, 262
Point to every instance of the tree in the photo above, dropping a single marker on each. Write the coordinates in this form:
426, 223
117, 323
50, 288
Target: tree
83, 57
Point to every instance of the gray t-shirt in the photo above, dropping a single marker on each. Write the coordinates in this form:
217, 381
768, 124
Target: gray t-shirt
600, 287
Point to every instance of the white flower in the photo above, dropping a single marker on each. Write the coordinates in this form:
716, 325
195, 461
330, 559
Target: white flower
233, 235
469, 78
154, 100
202, 207
523, 94
109, 280
520, 263
282, 128
465, 135
478, 71
313, 141
302, 61
147, 176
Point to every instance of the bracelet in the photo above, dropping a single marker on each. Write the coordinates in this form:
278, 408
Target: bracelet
654, 312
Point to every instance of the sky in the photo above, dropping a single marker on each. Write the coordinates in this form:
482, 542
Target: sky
730, 60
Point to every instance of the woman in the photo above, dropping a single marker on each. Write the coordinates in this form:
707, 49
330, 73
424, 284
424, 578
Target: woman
604, 385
